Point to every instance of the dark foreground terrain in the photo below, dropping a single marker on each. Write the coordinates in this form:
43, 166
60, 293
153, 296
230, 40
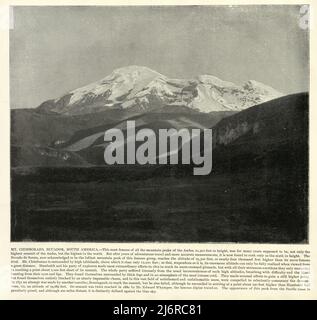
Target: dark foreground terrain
157, 204
257, 191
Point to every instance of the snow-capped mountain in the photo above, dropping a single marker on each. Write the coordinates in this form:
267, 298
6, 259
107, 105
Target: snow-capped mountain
141, 88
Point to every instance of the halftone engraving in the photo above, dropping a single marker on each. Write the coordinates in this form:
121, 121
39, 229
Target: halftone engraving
159, 123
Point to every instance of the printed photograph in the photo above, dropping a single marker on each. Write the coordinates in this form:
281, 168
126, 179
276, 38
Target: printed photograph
178, 124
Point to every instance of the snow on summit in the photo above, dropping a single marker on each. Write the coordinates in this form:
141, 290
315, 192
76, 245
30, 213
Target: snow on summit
145, 89
120, 81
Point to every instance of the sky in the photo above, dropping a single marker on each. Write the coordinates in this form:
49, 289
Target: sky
57, 49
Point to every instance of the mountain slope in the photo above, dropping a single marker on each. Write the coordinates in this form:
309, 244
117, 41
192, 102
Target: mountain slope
89, 143
140, 88
270, 134
32, 128
41, 139
274, 133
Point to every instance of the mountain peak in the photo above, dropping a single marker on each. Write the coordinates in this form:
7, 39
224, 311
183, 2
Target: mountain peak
133, 68
261, 88
212, 80
141, 88
134, 72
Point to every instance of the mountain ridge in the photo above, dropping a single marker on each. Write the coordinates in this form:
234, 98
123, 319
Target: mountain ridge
244, 138
141, 88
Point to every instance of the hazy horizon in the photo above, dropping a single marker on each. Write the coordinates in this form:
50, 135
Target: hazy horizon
57, 49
